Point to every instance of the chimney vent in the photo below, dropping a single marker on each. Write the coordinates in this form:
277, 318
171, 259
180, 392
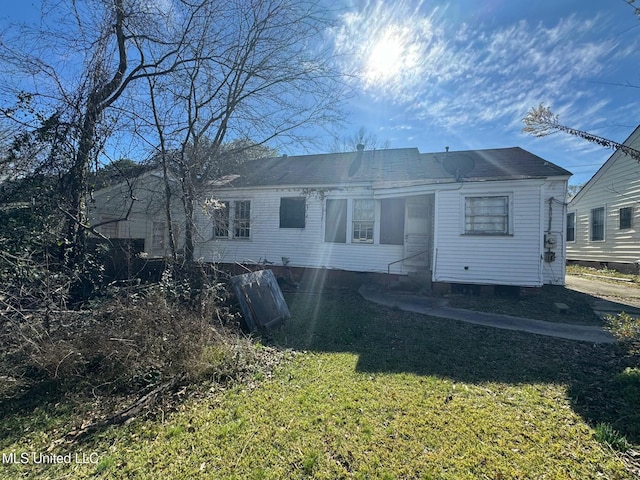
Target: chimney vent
446, 149
360, 147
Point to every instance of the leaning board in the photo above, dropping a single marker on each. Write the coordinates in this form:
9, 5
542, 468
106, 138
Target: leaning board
260, 298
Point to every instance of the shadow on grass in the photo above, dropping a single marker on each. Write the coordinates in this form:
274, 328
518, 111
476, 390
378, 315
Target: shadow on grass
388, 340
31, 410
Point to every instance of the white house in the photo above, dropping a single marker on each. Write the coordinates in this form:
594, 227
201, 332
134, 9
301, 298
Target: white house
475, 217
141, 201
603, 219
493, 217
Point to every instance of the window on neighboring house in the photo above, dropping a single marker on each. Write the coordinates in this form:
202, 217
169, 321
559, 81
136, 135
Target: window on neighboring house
363, 220
292, 212
392, 221
109, 230
626, 217
242, 219
158, 236
571, 227
486, 215
597, 224
336, 221
221, 221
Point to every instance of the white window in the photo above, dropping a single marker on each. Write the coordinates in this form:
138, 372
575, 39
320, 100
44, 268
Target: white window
242, 219
364, 215
487, 215
221, 220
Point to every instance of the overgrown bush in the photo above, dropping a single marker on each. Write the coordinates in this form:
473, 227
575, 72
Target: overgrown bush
136, 339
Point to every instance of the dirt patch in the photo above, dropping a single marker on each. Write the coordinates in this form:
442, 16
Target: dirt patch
536, 303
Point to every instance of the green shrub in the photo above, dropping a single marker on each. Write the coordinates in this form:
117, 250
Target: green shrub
606, 434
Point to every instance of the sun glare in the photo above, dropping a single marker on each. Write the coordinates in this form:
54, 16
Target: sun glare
389, 55
385, 57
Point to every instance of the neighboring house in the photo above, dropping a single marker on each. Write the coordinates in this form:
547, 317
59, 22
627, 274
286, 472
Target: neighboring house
603, 219
139, 204
493, 217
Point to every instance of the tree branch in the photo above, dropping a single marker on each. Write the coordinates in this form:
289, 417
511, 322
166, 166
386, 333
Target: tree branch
541, 122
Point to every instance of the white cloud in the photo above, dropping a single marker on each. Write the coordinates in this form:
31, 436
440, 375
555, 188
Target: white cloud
463, 75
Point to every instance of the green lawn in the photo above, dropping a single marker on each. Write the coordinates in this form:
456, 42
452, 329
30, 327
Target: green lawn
377, 393
603, 274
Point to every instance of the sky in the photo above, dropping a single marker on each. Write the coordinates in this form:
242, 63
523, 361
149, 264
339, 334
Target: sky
463, 74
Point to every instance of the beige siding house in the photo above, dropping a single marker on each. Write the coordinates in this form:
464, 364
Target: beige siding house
603, 219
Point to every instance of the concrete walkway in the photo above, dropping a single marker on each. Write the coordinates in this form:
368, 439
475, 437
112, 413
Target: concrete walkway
607, 297
436, 308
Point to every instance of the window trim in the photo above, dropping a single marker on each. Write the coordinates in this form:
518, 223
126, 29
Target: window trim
369, 225
478, 233
575, 227
222, 222
241, 224
290, 217
604, 224
628, 208
343, 214
394, 207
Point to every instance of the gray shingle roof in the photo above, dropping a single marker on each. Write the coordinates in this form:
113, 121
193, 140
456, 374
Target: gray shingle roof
391, 165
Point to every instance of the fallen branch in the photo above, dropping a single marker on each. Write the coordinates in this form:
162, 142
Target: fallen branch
123, 415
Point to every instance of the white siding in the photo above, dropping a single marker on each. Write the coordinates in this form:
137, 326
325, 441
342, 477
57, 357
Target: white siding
148, 207
304, 247
615, 185
555, 192
514, 259
507, 260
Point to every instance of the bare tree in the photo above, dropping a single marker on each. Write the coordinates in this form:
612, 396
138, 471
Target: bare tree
261, 74
78, 66
541, 122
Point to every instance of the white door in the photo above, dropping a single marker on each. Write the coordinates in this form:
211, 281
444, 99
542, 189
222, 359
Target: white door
418, 231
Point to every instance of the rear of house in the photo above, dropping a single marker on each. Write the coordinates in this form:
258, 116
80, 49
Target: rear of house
603, 219
492, 217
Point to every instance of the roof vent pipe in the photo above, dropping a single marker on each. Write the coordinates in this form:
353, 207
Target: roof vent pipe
446, 149
360, 147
